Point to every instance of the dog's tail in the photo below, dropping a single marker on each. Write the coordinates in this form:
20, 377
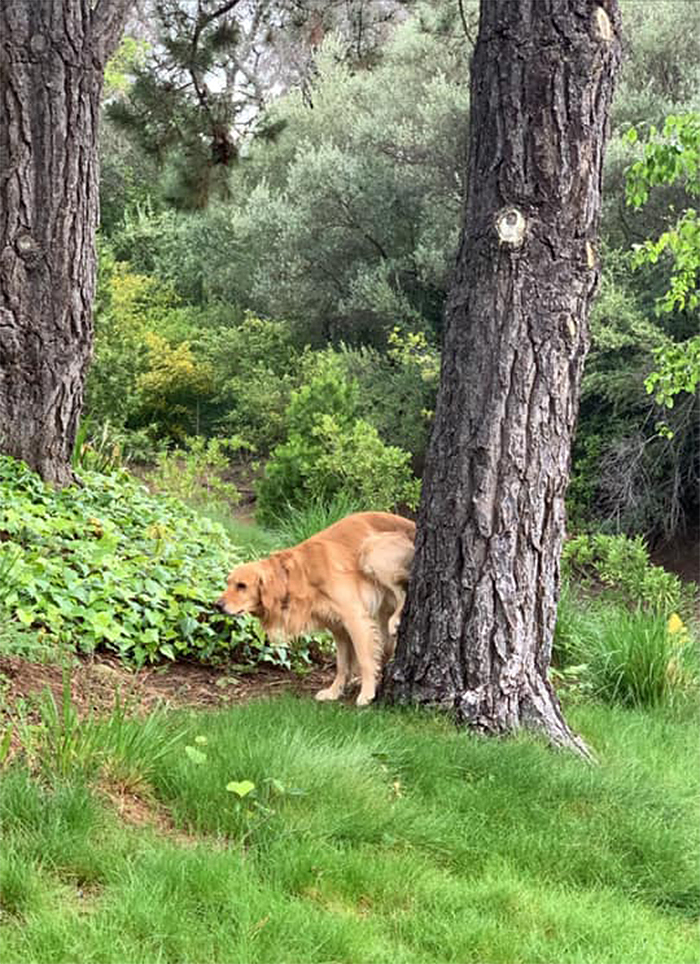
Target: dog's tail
386, 558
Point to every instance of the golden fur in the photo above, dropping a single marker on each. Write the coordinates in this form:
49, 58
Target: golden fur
350, 579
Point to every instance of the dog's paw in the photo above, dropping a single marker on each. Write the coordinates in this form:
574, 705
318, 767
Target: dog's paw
328, 694
364, 699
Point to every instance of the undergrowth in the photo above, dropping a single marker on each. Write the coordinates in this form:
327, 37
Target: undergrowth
106, 564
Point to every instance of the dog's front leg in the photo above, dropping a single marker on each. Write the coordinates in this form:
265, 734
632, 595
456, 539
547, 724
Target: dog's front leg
342, 670
367, 646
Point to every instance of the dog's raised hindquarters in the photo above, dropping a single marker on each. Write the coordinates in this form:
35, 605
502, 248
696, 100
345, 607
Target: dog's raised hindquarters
350, 579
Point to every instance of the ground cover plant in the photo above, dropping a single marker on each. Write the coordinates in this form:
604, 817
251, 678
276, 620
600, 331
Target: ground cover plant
301, 832
107, 564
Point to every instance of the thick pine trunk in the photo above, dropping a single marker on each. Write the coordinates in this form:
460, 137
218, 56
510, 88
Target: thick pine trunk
52, 58
476, 635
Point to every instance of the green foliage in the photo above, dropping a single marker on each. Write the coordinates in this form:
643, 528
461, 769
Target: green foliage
109, 565
397, 388
129, 56
255, 367
678, 371
661, 71
378, 160
129, 307
669, 156
626, 476
378, 475
172, 110
105, 448
620, 566
173, 386
623, 656
330, 453
194, 473
149, 368
126, 175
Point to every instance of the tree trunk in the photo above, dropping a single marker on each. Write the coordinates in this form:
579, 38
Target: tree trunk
476, 634
52, 58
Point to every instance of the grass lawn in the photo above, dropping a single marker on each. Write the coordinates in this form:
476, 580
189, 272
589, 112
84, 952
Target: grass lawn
370, 836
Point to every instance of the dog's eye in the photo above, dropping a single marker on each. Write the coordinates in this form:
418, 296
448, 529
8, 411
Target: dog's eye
241, 585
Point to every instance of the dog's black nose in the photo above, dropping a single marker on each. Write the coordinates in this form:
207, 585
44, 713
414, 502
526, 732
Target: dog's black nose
220, 604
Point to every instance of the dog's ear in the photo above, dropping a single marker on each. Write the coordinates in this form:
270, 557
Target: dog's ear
272, 587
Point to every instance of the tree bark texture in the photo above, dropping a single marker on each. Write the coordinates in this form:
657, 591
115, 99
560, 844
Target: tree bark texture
52, 58
476, 635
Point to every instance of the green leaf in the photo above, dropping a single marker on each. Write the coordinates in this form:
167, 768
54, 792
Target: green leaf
195, 755
25, 616
241, 789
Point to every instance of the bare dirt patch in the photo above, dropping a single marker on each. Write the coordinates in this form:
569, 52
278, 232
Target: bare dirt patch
95, 681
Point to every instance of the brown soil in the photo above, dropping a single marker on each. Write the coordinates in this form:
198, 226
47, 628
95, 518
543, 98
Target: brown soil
681, 556
97, 679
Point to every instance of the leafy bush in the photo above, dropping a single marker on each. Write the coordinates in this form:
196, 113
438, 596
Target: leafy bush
110, 565
194, 473
255, 367
331, 453
397, 388
620, 566
174, 386
129, 305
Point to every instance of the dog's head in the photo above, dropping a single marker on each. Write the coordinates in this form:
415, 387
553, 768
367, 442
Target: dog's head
244, 591
271, 589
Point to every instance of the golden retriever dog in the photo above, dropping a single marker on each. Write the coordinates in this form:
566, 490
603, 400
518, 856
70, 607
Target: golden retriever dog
350, 579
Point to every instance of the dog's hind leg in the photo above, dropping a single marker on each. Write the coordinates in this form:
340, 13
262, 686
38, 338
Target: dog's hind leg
400, 594
342, 667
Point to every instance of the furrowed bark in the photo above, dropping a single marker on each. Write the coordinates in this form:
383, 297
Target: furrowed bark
52, 58
476, 635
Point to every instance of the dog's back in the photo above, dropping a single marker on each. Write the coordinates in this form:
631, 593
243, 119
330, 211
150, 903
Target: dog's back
352, 531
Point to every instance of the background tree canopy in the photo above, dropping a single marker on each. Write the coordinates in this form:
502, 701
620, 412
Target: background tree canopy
335, 232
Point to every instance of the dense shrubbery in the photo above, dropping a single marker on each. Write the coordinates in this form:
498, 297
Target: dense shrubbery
621, 567
108, 565
330, 453
340, 230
